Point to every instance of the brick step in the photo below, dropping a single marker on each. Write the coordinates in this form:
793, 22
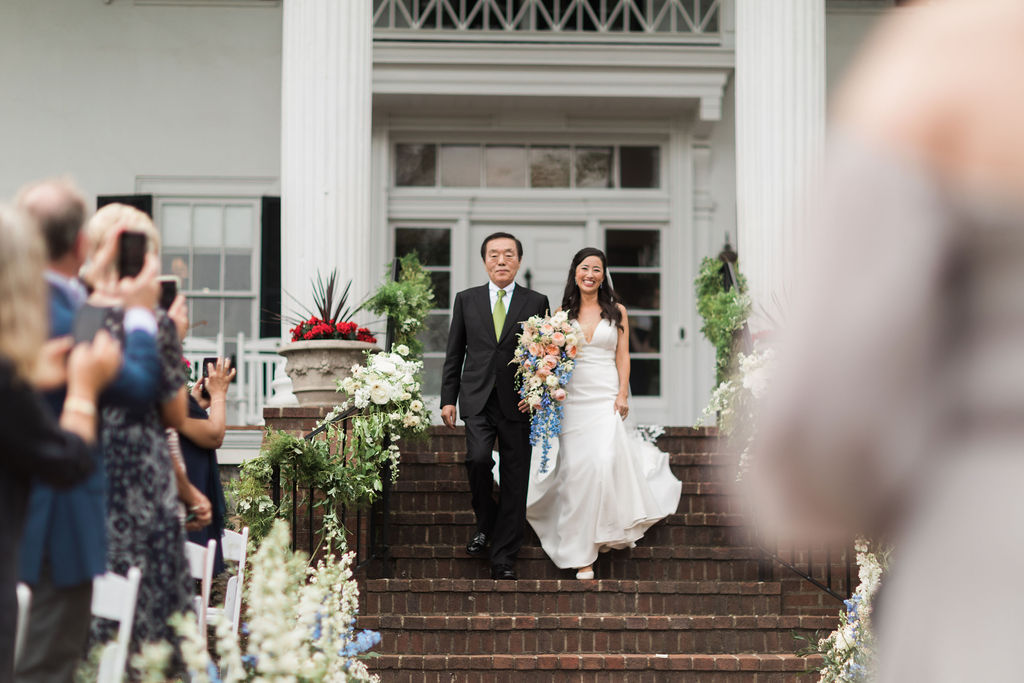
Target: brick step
586, 668
454, 496
674, 440
684, 563
593, 633
532, 597
668, 533
702, 466
466, 518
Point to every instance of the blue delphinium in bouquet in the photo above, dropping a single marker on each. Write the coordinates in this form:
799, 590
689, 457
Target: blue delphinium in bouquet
547, 347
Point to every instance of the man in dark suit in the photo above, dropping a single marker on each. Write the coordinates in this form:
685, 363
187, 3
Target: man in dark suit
64, 542
481, 343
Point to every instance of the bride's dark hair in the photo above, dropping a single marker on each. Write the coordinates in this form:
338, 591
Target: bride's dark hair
606, 296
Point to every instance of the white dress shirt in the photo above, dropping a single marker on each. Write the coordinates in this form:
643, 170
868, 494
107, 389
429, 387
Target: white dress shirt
492, 290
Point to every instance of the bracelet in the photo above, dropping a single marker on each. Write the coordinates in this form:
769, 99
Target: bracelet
82, 406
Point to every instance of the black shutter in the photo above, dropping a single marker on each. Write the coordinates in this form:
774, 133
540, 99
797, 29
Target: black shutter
270, 267
142, 202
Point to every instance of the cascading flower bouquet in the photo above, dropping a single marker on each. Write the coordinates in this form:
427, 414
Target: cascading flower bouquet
547, 347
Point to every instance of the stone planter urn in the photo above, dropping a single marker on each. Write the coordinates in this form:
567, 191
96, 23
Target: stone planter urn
316, 366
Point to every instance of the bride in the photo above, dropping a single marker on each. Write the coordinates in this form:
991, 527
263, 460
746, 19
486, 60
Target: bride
606, 485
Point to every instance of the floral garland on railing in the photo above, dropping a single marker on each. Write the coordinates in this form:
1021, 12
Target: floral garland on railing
734, 401
848, 653
387, 392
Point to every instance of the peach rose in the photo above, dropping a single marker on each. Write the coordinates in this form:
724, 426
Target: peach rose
552, 350
547, 328
558, 339
543, 370
558, 394
551, 360
566, 327
571, 352
535, 349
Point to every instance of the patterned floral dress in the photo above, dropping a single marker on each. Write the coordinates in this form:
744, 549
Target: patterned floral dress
143, 526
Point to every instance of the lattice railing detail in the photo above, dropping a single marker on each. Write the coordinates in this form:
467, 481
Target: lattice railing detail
573, 20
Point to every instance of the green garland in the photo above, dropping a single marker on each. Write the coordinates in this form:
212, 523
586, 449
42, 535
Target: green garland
407, 301
352, 477
724, 312
311, 465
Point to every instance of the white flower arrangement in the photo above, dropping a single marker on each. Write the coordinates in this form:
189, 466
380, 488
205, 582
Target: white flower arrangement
301, 626
734, 401
849, 651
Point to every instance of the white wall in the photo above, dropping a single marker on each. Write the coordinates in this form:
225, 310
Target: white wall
108, 92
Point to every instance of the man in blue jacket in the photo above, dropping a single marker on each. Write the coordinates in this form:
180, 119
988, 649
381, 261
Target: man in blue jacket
64, 543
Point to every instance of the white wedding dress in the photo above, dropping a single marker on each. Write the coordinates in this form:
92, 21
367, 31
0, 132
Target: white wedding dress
605, 486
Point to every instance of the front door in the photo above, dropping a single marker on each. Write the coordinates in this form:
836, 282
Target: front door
547, 253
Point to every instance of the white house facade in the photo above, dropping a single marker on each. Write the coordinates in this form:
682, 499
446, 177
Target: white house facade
654, 129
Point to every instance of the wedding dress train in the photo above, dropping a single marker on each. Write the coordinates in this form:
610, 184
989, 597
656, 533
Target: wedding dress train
605, 486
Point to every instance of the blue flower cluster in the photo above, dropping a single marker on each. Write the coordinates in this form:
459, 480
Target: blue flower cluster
546, 421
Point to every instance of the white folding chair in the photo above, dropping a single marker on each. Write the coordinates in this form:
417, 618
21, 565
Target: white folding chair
200, 563
114, 597
234, 545
24, 607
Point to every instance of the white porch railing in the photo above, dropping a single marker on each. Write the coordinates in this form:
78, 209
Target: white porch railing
257, 363
639, 21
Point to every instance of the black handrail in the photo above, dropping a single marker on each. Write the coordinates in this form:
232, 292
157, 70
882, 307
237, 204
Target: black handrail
372, 538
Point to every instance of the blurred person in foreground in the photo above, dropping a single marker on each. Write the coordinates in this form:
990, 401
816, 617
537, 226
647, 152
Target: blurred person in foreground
202, 433
35, 447
144, 483
898, 411
65, 540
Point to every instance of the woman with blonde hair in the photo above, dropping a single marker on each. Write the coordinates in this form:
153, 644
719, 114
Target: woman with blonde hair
34, 444
144, 486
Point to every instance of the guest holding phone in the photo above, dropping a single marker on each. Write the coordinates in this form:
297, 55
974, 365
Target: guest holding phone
202, 434
142, 495
35, 447
64, 544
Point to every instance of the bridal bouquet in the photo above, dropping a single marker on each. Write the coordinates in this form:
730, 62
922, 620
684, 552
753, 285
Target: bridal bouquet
547, 347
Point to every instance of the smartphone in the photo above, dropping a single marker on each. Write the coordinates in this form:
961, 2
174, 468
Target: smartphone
88, 321
206, 373
131, 253
168, 289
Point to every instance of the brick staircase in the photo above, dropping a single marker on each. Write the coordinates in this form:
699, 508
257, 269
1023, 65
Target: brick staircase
684, 605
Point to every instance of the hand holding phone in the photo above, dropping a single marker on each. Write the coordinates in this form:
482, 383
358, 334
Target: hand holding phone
169, 285
131, 253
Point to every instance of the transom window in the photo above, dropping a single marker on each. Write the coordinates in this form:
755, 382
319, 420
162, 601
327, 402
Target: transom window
213, 246
458, 165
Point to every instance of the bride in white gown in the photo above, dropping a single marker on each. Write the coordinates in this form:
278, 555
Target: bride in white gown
605, 485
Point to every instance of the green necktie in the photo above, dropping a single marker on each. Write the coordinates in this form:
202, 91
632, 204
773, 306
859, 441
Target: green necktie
499, 314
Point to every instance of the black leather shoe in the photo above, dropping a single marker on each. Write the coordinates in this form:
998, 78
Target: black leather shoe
477, 544
503, 573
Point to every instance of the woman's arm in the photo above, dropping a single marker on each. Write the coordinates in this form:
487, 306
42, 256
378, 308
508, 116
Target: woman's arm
209, 433
622, 365
174, 411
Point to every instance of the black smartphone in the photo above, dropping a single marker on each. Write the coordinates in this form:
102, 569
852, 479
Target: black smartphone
88, 321
131, 253
206, 373
168, 290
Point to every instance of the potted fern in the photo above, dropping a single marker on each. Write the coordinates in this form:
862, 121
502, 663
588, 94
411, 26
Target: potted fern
325, 343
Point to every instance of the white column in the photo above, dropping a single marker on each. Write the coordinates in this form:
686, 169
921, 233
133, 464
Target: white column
326, 101
780, 133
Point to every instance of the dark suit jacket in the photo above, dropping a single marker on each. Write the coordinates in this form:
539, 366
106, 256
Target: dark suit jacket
31, 445
475, 362
70, 527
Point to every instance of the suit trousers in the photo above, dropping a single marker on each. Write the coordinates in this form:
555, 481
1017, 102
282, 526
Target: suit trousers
58, 629
504, 520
